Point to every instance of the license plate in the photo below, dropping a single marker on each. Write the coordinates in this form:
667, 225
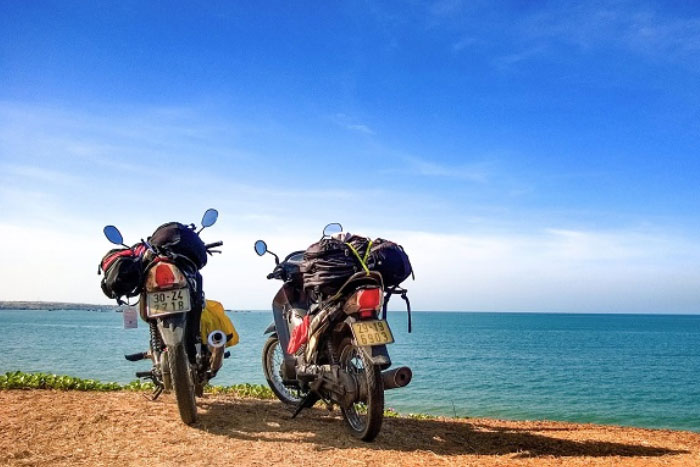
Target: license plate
372, 333
169, 301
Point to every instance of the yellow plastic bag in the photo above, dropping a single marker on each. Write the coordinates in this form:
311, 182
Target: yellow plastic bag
214, 318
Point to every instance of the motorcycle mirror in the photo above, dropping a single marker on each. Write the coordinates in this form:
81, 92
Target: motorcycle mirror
113, 235
260, 247
210, 217
332, 228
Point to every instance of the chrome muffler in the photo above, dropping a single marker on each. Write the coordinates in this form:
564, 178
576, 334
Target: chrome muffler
216, 341
397, 378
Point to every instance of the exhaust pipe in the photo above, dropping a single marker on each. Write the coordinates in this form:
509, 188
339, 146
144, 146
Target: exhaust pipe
397, 378
216, 342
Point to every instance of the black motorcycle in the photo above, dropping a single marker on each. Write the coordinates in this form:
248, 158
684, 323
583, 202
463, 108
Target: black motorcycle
333, 349
164, 272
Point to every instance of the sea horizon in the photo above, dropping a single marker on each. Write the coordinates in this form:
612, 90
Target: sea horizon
4, 306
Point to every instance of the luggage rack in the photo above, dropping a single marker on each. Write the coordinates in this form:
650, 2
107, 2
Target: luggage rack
375, 276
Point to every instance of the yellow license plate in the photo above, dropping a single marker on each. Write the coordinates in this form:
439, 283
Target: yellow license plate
169, 301
372, 333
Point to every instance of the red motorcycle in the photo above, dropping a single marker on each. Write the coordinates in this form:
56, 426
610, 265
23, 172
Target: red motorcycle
332, 347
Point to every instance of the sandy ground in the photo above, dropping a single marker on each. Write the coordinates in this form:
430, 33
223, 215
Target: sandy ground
43, 427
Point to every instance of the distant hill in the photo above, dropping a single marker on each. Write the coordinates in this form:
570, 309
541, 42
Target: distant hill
53, 306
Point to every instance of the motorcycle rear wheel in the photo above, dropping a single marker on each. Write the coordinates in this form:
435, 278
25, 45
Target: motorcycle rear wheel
364, 417
183, 385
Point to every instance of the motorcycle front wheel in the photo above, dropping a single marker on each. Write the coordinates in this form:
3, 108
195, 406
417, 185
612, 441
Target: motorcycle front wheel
183, 385
272, 358
364, 417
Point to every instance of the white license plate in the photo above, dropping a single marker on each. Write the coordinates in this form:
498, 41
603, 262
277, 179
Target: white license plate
169, 301
375, 332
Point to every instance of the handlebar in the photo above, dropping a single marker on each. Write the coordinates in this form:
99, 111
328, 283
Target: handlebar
213, 245
277, 273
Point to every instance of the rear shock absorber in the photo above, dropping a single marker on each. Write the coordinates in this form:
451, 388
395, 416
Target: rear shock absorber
333, 359
157, 345
160, 373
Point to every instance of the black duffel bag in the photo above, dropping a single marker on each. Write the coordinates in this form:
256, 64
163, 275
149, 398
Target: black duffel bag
327, 264
123, 272
180, 239
390, 260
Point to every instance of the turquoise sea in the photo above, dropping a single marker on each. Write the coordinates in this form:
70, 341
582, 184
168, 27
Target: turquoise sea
639, 370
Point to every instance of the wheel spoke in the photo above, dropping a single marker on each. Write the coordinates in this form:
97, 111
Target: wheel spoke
274, 359
364, 415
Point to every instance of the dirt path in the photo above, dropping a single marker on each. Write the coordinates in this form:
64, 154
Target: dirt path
45, 427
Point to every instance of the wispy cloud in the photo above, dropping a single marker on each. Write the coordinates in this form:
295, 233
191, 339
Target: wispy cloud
463, 43
638, 28
477, 173
647, 29
39, 174
443, 8
509, 60
351, 124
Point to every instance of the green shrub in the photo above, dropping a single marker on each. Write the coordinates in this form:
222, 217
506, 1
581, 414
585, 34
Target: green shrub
21, 380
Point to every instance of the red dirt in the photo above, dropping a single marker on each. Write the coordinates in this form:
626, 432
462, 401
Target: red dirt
42, 427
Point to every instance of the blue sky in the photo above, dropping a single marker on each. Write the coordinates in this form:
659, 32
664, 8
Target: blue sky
537, 156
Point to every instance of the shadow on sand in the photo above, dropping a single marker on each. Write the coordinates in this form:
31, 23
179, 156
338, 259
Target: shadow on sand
265, 421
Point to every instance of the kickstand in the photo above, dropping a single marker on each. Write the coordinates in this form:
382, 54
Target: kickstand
157, 392
304, 403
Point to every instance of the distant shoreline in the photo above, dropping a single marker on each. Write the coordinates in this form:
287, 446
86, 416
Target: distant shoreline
62, 306
53, 306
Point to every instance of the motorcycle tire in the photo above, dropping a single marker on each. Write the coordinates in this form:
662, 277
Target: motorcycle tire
272, 356
182, 383
363, 418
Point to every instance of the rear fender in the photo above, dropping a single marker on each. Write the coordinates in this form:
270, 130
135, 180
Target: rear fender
172, 329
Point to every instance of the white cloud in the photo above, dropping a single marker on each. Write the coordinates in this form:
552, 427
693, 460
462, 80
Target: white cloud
51, 238
553, 270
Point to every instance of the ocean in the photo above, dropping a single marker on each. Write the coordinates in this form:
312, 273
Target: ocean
634, 370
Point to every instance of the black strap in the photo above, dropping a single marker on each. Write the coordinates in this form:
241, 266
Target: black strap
389, 293
403, 293
408, 309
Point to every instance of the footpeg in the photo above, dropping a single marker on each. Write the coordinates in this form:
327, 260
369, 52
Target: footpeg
144, 374
135, 357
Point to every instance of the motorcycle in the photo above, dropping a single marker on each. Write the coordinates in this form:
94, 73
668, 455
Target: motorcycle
343, 358
171, 301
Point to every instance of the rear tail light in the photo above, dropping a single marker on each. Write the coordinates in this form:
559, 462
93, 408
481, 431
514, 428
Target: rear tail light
366, 314
366, 302
164, 276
